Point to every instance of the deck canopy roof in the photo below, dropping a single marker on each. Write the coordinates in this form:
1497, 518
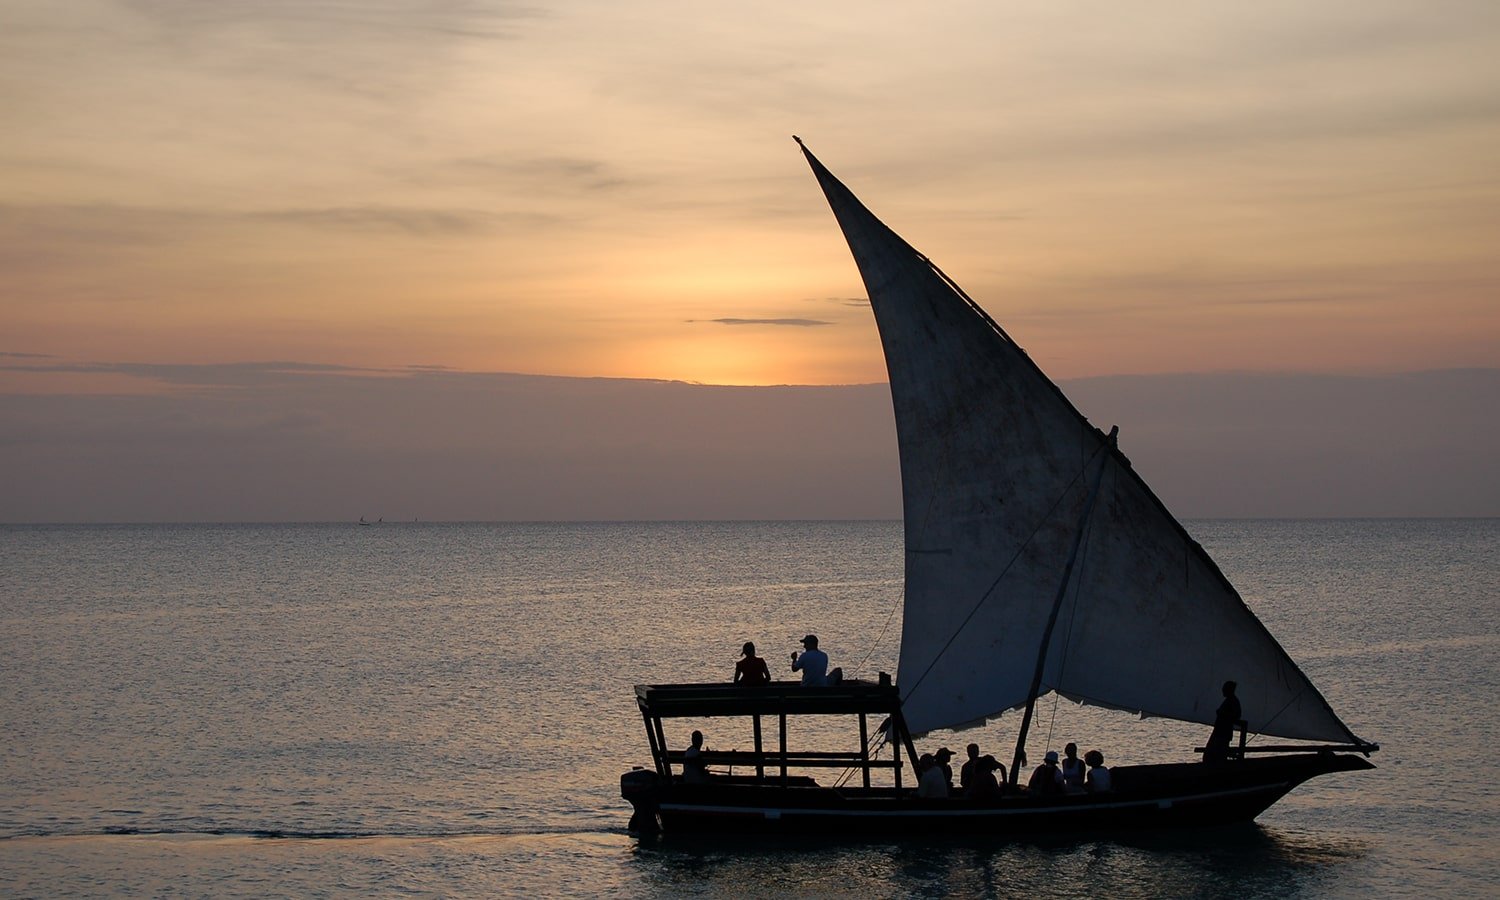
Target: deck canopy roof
674, 701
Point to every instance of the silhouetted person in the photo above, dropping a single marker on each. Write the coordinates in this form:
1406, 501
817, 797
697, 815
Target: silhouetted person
930, 781
812, 663
1046, 779
1225, 720
1072, 769
983, 784
970, 768
694, 771
942, 757
1098, 777
751, 670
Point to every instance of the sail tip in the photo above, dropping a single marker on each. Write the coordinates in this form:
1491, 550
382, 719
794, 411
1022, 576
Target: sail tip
798, 140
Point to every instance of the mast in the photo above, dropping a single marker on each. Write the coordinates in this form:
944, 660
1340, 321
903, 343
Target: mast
1062, 590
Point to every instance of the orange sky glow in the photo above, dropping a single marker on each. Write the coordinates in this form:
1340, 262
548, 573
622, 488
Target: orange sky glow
598, 189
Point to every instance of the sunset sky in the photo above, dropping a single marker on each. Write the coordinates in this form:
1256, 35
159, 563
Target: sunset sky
610, 188
280, 259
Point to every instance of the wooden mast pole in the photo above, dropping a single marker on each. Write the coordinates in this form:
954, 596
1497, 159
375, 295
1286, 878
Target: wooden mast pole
1062, 590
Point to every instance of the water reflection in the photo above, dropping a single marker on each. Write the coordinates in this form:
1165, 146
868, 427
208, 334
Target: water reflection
1239, 861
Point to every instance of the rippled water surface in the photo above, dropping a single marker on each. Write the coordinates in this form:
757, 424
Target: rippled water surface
446, 709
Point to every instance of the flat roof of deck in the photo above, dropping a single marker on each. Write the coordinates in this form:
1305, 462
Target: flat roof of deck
670, 701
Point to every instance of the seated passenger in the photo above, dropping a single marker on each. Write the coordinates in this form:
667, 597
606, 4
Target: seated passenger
930, 781
694, 771
1072, 770
1046, 779
812, 663
751, 670
983, 784
1098, 777
941, 757
970, 770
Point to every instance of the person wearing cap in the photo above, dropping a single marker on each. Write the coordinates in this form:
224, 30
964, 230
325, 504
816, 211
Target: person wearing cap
811, 662
751, 670
1047, 777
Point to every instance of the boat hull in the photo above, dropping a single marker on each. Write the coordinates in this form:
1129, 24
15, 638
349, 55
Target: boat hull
1164, 796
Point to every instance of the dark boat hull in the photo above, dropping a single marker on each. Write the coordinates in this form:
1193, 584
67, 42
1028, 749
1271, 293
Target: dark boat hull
1163, 796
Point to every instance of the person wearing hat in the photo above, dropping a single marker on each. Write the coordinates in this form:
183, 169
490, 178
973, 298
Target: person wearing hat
751, 670
1047, 778
811, 662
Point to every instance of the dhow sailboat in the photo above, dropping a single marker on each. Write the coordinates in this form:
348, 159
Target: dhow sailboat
1037, 561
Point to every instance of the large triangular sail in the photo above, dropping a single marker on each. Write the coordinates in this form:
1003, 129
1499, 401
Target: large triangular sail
995, 469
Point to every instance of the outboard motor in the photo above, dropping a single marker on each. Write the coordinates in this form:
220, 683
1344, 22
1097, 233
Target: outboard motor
642, 787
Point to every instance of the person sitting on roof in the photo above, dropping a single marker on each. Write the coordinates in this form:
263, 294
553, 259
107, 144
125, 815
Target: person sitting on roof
1072, 769
751, 670
1098, 777
930, 781
694, 771
1047, 777
812, 663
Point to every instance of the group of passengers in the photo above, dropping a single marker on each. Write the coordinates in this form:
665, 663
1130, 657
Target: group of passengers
1068, 775
978, 779
752, 670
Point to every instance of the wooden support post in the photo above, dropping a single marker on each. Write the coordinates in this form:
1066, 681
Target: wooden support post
661, 740
783, 749
658, 752
864, 748
760, 753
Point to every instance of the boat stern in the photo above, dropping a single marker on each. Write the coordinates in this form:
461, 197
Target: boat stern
642, 787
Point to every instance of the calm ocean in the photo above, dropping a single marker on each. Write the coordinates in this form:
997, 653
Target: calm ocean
427, 709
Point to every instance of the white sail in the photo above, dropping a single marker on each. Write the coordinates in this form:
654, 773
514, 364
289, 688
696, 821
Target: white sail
996, 465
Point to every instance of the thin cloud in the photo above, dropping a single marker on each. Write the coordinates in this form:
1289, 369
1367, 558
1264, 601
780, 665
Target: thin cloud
298, 22
421, 222
794, 323
568, 172
241, 374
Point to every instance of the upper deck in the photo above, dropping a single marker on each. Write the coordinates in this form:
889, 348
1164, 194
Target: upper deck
673, 701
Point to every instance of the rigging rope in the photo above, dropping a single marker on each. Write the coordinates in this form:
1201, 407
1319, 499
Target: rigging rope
878, 739
859, 667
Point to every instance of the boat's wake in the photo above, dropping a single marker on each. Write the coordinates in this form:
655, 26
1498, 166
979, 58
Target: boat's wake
293, 834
